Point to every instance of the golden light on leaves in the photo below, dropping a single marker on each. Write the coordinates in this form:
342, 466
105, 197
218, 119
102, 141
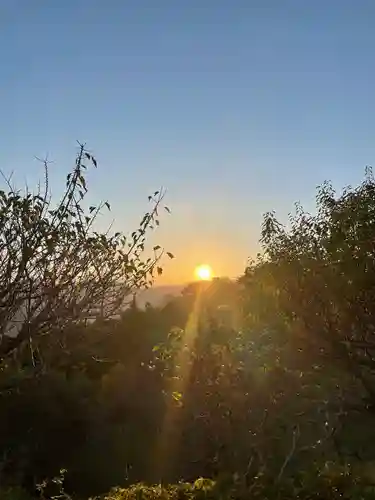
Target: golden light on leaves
203, 272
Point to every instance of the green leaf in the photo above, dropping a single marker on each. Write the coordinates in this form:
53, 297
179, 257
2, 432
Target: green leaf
159, 270
177, 396
83, 182
170, 255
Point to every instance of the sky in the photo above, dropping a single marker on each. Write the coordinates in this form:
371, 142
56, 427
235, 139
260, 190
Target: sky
236, 107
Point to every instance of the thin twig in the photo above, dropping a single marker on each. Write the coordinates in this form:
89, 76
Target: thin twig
289, 456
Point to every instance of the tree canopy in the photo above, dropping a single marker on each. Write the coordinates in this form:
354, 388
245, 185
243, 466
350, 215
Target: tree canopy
317, 277
56, 270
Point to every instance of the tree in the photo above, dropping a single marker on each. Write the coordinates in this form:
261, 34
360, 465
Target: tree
55, 269
316, 280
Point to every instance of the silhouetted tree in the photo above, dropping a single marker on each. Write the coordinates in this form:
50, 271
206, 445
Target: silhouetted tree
55, 269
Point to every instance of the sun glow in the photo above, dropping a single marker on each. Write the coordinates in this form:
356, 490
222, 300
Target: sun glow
203, 272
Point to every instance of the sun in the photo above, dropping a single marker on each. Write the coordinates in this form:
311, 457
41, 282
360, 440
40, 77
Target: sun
203, 272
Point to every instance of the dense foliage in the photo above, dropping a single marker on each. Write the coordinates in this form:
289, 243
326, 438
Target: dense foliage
264, 384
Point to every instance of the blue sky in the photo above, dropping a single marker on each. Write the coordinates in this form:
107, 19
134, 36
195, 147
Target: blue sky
235, 106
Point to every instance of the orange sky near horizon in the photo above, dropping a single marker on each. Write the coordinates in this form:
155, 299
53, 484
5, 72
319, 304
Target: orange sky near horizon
226, 262
197, 238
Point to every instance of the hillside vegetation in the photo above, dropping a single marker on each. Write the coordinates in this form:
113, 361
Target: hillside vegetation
263, 386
